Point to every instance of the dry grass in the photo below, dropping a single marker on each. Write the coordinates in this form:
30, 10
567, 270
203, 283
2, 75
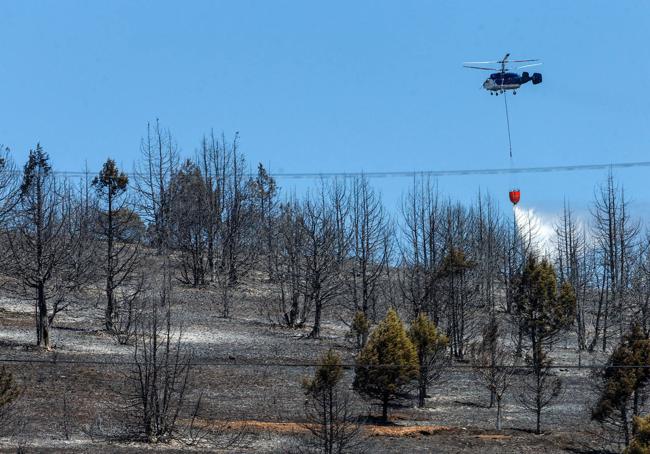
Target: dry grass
403, 431
251, 425
494, 437
372, 430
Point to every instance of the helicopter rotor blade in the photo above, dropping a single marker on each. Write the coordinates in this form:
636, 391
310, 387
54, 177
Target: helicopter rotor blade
480, 62
480, 67
528, 66
524, 61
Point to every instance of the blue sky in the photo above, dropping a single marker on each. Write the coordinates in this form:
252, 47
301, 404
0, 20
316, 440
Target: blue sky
337, 86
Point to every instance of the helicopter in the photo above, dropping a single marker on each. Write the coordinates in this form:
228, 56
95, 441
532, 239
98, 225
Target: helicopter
503, 80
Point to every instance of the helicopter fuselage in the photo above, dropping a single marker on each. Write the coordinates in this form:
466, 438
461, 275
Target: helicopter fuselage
502, 81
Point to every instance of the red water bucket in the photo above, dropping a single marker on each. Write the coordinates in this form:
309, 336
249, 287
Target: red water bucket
515, 195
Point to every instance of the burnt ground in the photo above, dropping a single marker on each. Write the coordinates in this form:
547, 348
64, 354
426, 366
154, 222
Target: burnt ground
258, 407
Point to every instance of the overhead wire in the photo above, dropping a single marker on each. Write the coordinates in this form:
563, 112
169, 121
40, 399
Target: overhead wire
262, 364
416, 173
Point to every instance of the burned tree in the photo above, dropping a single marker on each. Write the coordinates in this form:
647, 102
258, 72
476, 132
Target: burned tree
321, 262
641, 287
235, 237
157, 385
289, 271
369, 225
264, 192
615, 234
212, 161
455, 273
44, 247
494, 364
189, 222
159, 163
115, 222
573, 267
487, 238
421, 251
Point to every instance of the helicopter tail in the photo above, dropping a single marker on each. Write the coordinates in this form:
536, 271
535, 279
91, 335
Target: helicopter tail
526, 77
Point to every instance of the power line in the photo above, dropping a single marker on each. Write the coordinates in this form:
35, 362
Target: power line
261, 364
462, 172
415, 173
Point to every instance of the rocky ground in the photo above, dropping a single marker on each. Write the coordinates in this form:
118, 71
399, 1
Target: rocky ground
258, 407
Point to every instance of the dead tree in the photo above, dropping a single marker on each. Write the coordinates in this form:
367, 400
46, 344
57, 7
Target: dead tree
189, 223
159, 163
9, 186
237, 255
641, 287
421, 251
487, 237
44, 244
368, 256
458, 279
157, 385
494, 364
512, 260
521, 240
321, 261
213, 162
289, 274
339, 199
264, 192
115, 222
615, 234
83, 261
573, 267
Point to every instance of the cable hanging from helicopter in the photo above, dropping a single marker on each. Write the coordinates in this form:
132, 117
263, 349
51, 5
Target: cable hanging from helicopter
500, 82
515, 193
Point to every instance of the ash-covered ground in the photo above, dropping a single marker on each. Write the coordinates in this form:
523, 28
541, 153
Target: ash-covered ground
248, 378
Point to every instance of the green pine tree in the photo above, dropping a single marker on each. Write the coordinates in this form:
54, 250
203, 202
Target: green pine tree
327, 375
328, 409
359, 329
544, 313
9, 392
110, 184
620, 399
387, 364
641, 442
431, 346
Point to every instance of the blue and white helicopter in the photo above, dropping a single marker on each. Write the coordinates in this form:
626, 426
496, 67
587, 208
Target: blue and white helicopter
503, 80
